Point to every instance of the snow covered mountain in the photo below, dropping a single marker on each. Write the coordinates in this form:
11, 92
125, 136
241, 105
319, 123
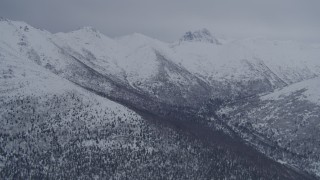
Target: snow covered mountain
203, 35
128, 106
251, 65
287, 118
179, 73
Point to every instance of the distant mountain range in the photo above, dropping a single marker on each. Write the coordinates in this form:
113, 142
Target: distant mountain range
81, 105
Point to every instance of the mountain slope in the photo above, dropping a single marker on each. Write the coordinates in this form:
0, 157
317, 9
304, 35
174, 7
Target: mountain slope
82, 105
287, 118
51, 128
249, 66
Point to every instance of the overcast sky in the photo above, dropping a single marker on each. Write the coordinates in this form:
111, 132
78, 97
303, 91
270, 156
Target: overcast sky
169, 19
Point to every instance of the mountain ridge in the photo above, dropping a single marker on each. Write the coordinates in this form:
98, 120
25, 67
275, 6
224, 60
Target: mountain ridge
149, 77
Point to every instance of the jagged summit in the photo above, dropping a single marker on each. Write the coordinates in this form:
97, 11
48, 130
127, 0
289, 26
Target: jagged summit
3, 19
88, 29
203, 35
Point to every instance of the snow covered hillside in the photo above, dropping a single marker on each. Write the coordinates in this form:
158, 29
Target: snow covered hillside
197, 67
288, 118
248, 64
52, 128
144, 67
309, 91
83, 105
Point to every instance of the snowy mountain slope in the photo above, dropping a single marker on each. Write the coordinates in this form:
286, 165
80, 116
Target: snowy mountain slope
52, 128
309, 89
21, 76
194, 69
32, 43
288, 118
240, 67
94, 49
139, 62
42, 47
38, 46
46, 50
270, 63
47, 119
37, 106
54, 106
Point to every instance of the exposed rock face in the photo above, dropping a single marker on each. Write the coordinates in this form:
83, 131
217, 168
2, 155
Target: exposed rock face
203, 35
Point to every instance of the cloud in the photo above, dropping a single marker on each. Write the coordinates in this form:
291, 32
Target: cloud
168, 19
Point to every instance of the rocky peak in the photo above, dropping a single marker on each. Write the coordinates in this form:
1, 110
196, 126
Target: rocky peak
202, 35
88, 31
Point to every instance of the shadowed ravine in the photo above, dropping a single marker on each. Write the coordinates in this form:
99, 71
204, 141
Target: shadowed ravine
185, 120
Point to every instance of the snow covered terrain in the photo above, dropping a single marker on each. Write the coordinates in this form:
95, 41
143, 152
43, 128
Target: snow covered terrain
137, 107
309, 89
264, 63
193, 65
287, 118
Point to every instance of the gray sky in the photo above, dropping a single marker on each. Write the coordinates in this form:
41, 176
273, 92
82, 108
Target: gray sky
169, 19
